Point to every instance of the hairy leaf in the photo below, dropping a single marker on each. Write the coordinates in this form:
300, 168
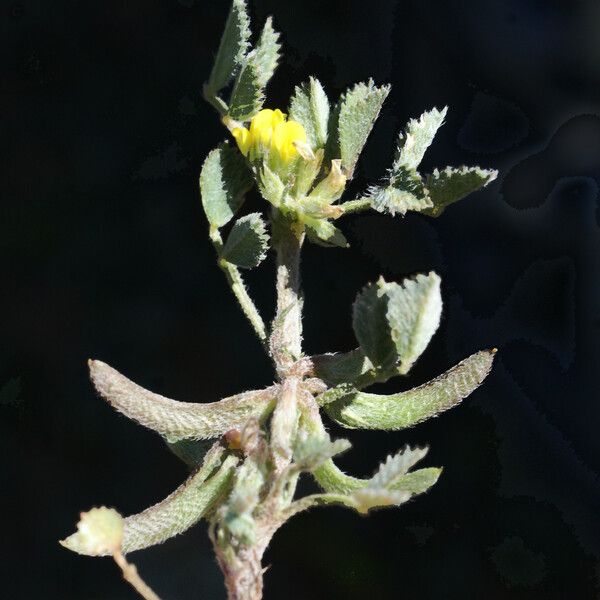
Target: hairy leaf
359, 108
359, 410
413, 313
248, 96
416, 139
266, 53
310, 107
178, 420
405, 191
224, 180
233, 47
312, 450
371, 327
341, 367
451, 184
324, 233
247, 243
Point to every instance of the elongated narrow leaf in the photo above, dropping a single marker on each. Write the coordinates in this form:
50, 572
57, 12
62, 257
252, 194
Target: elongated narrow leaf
176, 513
359, 410
359, 108
267, 53
224, 180
310, 107
371, 327
413, 313
248, 96
450, 185
178, 420
247, 243
233, 47
416, 139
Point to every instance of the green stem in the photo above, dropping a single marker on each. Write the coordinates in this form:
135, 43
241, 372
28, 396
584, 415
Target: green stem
236, 283
286, 333
354, 206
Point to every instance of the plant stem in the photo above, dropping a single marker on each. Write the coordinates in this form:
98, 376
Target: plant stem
354, 206
131, 575
286, 334
236, 283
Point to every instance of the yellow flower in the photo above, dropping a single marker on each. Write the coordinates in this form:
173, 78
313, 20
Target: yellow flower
270, 132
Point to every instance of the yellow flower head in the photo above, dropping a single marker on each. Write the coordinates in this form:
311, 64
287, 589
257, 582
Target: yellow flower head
270, 132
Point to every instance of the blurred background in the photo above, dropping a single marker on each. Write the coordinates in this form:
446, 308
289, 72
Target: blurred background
105, 255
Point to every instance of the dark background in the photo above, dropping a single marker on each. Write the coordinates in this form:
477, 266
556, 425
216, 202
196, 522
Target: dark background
105, 255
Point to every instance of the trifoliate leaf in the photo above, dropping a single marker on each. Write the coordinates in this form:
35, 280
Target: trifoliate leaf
451, 184
248, 96
413, 313
233, 47
310, 107
324, 233
247, 243
359, 108
224, 180
418, 136
266, 53
360, 410
371, 327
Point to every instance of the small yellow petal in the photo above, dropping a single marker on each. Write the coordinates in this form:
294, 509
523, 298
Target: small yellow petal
242, 137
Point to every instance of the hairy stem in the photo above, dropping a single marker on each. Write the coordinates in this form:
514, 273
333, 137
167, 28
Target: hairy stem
236, 283
286, 334
131, 575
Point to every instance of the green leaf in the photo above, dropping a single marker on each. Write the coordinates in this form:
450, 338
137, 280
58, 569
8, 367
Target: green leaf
371, 327
233, 47
359, 108
413, 314
404, 192
248, 96
247, 243
419, 481
191, 452
224, 180
359, 410
394, 323
179, 420
270, 185
341, 367
312, 450
310, 107
417, 138
266, 54
324, 233
397, 465
450, 185
392, 476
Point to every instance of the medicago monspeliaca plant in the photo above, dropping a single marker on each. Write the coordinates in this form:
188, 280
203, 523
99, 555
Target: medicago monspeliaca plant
244, 482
